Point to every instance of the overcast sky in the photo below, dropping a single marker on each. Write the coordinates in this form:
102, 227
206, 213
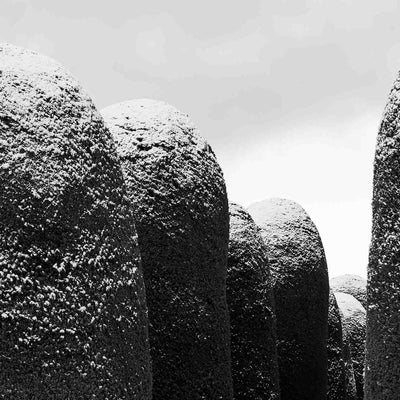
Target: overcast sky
288, 93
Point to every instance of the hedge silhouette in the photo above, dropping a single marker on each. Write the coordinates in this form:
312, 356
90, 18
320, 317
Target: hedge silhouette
251, 305
179, 198
301, 289
382, 372
72, 301
353, 319
336, 363
351, 284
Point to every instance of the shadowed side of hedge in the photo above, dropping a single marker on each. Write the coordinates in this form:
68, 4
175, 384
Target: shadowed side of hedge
251, 305
301, 288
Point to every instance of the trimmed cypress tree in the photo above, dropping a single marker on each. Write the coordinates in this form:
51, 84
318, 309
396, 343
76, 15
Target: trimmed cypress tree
353, 319
382, 372
301, 288
351, 390
72, 300
351, 284
336, 363
178, 194
250, 301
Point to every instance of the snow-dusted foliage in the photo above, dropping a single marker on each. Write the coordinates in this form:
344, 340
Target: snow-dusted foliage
382, 372
351, 284
251, 306
72, 302
179, 199
336, 362
353, 320
298, 266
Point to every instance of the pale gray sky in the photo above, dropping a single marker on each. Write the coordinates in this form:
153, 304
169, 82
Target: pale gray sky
288, 93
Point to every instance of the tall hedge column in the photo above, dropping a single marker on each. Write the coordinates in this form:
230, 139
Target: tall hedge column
178, 194
297, 261
251, 305
382, 372
72, 300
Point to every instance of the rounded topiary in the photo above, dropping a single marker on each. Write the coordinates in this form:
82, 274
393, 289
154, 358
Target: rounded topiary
72, 301
382, 372
351, 284
301, 288
178, 192
250, 301
353, 320
336, 363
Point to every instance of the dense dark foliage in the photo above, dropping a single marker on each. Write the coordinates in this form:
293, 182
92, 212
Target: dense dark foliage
250, 302
336, 363
382, 373
178, 193
301, 288
351, 390
353, 320
72, 302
